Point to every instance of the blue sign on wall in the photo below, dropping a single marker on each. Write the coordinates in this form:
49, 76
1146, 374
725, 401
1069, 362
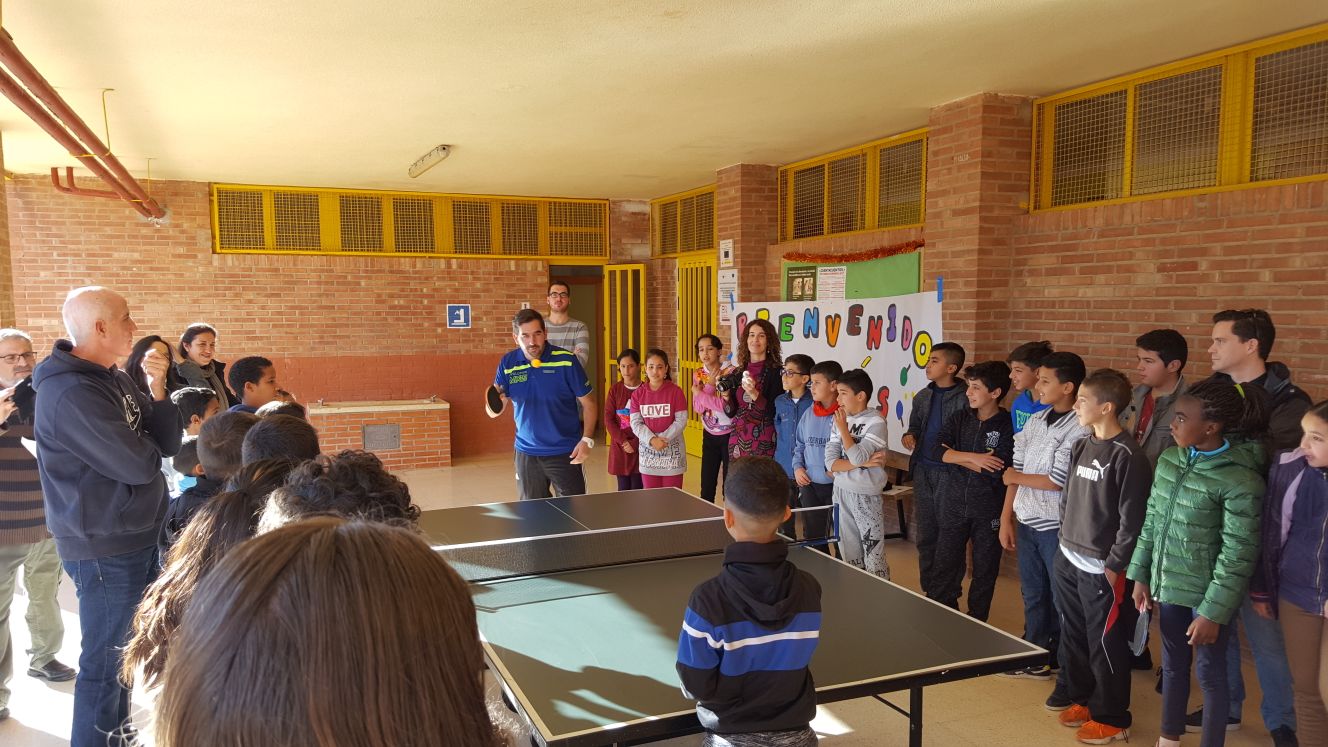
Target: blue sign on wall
458, 316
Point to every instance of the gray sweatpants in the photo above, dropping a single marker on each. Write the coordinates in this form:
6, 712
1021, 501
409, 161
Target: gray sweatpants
861, 526
795, 738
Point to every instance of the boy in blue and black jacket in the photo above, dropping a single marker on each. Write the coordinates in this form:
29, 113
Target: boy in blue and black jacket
762, 611
816, 486
976, 445
789, 408
932, 407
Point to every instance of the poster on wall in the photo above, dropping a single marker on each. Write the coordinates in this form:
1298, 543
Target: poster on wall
800, 284
831, 282
891, 338
727, 292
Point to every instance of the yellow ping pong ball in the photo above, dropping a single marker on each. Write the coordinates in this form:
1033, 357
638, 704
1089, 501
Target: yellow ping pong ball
536, 363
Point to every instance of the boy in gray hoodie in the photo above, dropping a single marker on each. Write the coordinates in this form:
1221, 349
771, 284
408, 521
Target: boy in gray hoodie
855, 455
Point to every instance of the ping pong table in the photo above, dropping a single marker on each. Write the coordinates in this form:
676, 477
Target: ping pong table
585, 652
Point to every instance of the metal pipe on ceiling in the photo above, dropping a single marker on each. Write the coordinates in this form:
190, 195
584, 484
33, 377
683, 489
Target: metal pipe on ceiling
67, 128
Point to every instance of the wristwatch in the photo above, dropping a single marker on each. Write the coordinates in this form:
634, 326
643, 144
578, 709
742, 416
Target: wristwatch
588, 441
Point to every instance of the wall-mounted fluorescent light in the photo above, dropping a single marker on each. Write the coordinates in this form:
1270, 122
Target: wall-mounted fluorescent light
428, 160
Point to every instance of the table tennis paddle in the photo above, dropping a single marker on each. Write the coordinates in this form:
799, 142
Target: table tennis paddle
494, 404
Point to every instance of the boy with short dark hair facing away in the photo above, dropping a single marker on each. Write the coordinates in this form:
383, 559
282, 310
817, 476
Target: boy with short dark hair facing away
254, 380
855, 455
197, 404
932, 407
763, 613
789, 408
220, 444
1102, 511
815, 484
1025, 361
1032, 511
976, 445
1162, 354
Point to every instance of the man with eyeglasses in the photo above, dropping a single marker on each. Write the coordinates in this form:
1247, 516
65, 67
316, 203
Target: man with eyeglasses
1242, 342
564, 331
24, 541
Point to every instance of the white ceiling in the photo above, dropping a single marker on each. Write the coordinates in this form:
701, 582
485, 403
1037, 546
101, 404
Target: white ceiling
596, 98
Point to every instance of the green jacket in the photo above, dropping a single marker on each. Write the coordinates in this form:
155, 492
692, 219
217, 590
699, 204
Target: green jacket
1200, 538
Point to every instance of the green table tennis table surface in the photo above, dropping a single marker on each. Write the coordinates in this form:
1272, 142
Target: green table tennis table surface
588, 655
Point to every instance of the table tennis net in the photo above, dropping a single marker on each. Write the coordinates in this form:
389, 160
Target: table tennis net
596, 548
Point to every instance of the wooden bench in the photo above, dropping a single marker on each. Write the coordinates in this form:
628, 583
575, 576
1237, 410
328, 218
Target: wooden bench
896, 468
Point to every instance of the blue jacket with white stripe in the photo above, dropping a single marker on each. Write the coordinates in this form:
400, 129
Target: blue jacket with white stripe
747, 639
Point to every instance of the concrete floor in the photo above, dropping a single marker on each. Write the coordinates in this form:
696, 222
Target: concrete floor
988, 711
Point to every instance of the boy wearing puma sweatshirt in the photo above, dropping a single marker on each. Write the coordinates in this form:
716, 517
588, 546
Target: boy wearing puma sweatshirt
1102, 511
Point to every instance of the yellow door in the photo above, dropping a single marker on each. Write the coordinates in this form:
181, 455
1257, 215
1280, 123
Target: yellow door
624, 315
698, 314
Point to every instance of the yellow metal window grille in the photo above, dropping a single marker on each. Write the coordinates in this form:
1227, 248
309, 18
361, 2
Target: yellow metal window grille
847, 200
809, 202
471, 228
361, 222
899, 199
684, 222
240, 218
520, 228
1245, 115
783, 205
881, 184
1177, 124
1089, 149
668, 228
324, 221
296, 220
413, 225
1290, 129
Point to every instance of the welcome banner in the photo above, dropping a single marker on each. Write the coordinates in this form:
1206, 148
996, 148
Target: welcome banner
891, 338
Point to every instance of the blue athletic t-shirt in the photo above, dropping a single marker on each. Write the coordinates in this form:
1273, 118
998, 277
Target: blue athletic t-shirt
1023, 408
543, 395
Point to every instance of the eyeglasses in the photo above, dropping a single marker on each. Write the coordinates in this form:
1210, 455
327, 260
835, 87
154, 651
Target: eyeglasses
15, 357
560, 295
790, 372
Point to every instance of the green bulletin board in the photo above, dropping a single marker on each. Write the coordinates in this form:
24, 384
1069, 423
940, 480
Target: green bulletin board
876, 278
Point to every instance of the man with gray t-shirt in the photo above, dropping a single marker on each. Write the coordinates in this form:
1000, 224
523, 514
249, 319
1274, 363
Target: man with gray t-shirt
564, 331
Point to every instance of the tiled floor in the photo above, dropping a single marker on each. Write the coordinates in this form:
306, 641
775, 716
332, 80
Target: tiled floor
988, 711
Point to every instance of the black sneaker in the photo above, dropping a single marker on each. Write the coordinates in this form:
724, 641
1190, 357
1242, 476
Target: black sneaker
1283, 736
1042, 673
1194, 722
53, 671
1057, 702
4, 714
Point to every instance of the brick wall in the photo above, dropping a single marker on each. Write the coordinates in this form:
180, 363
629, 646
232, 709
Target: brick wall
629, 230
425, 435
7, 318
340, 328
662, 306
1092, 279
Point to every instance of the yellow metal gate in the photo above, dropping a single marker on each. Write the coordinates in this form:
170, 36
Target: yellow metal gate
698, 313
624, 315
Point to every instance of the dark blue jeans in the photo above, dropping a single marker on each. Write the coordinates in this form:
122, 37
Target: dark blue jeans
1037, 553
109, 590
1210, 666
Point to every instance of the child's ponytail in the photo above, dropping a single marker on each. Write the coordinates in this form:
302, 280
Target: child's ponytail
1239, 408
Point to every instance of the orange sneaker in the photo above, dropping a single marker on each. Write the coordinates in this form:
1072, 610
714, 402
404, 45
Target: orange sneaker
1094, 732
1075, 716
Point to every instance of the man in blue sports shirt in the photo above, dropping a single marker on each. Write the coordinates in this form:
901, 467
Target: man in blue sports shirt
547, 384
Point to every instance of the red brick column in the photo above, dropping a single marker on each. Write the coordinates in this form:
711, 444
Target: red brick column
978, 152
747, 211
8, 316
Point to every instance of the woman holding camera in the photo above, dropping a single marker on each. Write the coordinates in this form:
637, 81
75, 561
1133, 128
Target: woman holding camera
752, 404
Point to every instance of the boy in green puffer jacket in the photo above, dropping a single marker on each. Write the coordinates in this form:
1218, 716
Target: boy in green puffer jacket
1199, 543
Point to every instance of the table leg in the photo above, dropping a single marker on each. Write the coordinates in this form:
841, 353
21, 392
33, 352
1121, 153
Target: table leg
915, 717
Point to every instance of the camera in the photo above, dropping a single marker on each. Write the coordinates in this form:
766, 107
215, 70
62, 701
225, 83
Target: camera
729, 383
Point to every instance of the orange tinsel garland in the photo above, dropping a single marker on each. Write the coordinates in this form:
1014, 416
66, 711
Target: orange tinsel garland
867, 256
